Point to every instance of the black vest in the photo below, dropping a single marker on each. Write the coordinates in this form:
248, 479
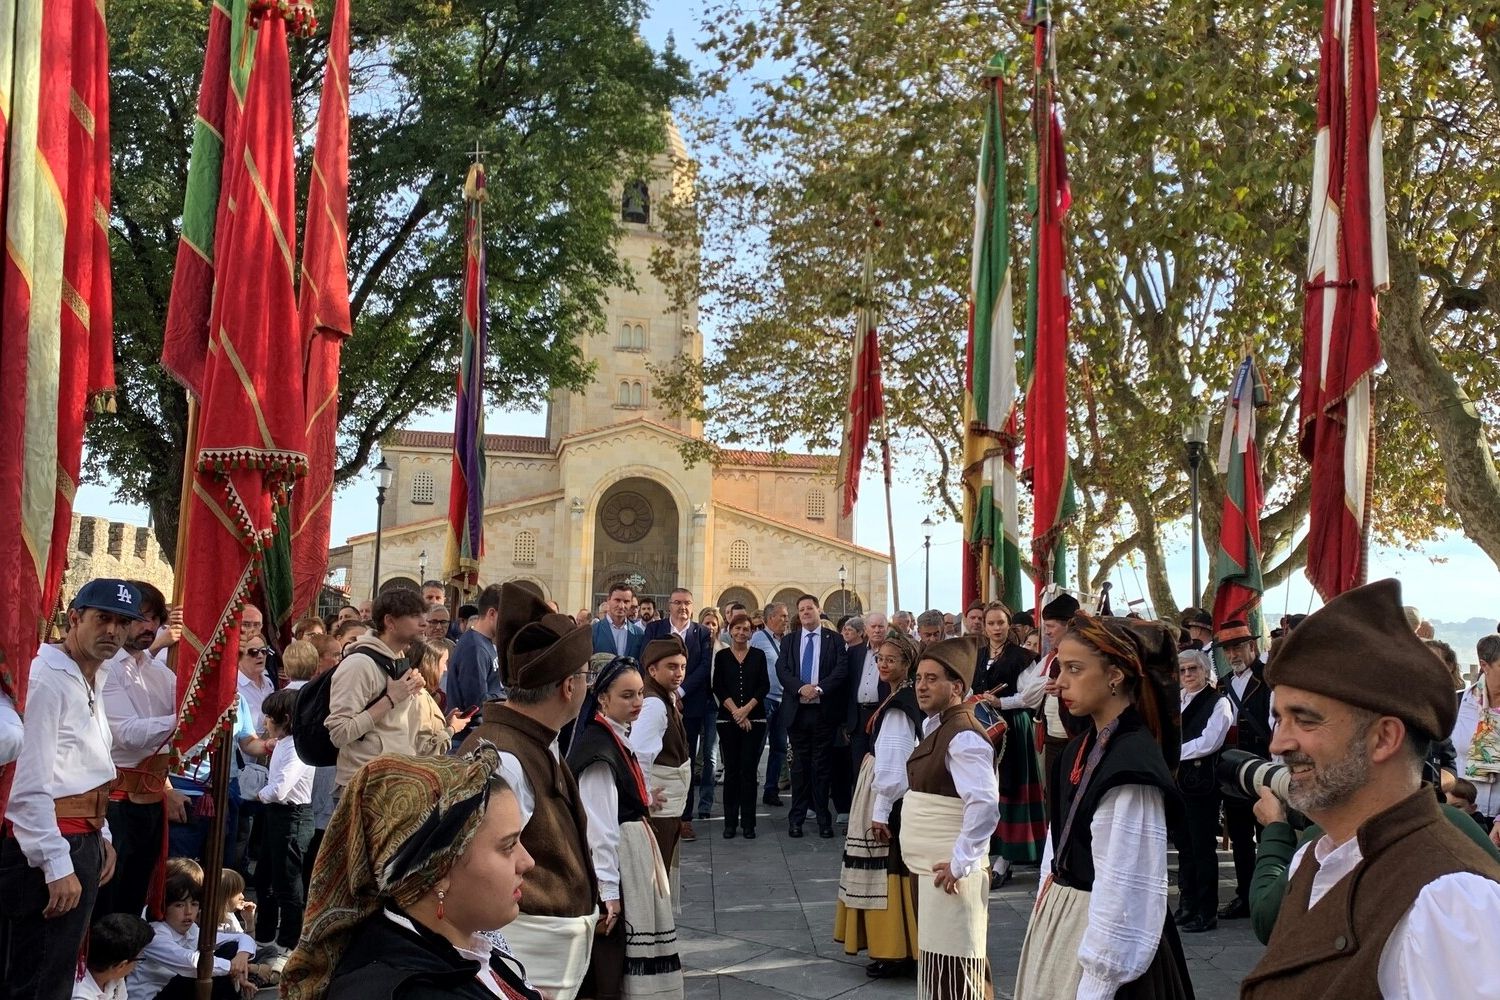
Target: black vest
1196, 777
1131, 758
905, 703
1252, 724
594, 745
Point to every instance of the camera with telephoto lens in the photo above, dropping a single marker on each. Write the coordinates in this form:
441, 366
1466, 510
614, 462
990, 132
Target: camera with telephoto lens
1242, 775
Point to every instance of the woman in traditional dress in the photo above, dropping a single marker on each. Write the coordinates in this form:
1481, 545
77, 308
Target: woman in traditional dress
875, 909
1008, 679
741, 683
422, 858
1100, 927
635, 954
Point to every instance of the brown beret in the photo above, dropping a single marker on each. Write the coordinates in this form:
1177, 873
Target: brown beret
957, 655
658, 649
1358, 649
537, 646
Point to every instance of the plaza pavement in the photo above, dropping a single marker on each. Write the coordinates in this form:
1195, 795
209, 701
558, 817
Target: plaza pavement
757, 923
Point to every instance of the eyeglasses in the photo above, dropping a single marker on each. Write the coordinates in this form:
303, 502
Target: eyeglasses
261, 652
887, 660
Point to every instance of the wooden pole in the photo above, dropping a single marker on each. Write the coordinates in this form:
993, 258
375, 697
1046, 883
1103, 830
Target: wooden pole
890, 517
213, 863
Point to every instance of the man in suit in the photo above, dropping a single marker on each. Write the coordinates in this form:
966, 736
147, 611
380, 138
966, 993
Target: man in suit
615, 633
767, 639
1251, 699
812, 665
698, 712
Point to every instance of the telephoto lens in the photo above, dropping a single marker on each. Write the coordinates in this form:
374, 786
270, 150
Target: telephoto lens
1242, 775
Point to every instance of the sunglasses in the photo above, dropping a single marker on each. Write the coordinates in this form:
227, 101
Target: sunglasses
259, 651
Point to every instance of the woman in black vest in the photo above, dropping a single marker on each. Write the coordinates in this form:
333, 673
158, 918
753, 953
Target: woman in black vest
1206, 719
1100, 926
636, 951
1008, 679
741, 683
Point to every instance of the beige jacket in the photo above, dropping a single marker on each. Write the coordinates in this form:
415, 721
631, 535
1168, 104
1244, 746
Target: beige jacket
357, 681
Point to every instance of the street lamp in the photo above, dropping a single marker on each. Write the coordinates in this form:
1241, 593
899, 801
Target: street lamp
927, 525
422, 567
1195, 435
383, 476
843, 594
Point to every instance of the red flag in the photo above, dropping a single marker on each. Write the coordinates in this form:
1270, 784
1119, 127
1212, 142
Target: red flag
1237, 566
464, 549
323, 318
250, 429
56, 353
866, 396
1347, 268
1047, 308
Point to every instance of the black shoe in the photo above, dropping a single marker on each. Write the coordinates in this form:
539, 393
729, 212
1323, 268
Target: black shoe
703, 816
729, 833
876, 969
1198, 925
826, 832
1235, 909
749, 833
771, 799
891, 970
794, 830
1181, 916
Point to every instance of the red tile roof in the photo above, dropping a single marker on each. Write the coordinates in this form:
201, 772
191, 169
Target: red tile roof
773, 459
442, 440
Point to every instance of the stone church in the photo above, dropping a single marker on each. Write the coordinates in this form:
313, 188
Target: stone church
605, 495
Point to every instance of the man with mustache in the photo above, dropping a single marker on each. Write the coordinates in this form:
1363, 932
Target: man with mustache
1392, 900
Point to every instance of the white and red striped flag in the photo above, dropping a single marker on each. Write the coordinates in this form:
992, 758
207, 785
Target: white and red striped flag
1347, 268
866, 395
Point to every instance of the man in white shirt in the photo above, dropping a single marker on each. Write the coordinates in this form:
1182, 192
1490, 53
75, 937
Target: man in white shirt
767, 639
55, 852
1206, 718
865, 687
252, 681
1392, 900
140, 699
11, 730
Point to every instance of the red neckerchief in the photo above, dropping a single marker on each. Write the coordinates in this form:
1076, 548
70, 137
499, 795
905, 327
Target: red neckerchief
628, 754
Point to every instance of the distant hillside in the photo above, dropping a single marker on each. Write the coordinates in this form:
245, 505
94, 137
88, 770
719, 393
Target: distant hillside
1463, 636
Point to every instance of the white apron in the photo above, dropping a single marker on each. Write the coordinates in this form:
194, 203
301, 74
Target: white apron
951, 929
554, 950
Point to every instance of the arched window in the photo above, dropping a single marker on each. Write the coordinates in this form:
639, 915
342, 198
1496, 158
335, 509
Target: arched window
640, 337
524, 553
624, 398
817, 505
739, 554
637, 395
422, 488
627, 335
635, 203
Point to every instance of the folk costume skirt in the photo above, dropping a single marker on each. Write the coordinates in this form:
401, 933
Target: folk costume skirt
666, 820
653, 968
1020, 834
1049, 956
952, 929
876, 909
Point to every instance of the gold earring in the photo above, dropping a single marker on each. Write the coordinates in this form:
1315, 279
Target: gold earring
1112, 691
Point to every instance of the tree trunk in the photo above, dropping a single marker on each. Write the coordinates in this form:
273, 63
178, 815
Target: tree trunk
1417, 372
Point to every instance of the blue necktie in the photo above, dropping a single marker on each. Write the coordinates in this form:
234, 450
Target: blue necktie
807, 657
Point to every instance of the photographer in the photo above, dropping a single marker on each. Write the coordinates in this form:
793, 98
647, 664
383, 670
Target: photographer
1358, 698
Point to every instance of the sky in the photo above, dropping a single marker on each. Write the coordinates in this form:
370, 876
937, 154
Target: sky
1449, 579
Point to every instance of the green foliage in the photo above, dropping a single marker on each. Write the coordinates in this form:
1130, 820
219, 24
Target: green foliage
1190, 128
562, 94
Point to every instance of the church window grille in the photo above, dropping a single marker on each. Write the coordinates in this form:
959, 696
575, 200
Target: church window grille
817, 505
739, 554
422, 488
524, 553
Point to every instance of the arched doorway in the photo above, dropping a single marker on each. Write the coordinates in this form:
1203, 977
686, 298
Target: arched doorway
737, 595
635, 539
841, 603
400, 583
788, 596
529, 585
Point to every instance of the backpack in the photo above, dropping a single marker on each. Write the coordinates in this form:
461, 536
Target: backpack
310, 713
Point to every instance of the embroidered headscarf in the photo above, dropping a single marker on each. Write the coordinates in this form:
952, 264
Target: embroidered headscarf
604, 675
401, 825
1145, 651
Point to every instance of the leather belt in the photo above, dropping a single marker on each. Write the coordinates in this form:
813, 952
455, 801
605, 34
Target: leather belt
87, 807
143, 784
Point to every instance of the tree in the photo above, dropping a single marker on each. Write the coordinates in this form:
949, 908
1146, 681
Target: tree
1190, 129
563, 95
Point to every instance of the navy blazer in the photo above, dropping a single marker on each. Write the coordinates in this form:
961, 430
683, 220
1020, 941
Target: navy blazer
697, 696
604, 638
833, 668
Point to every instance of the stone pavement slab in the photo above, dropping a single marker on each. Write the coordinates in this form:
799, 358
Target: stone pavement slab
757, 924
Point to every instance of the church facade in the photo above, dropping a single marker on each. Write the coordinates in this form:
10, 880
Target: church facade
606, 494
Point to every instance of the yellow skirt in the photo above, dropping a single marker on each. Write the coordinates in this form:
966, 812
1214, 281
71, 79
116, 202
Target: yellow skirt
889, 935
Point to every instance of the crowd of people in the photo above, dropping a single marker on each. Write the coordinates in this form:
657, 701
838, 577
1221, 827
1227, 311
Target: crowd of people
493, 801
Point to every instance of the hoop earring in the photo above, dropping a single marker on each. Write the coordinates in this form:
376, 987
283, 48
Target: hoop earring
441, 896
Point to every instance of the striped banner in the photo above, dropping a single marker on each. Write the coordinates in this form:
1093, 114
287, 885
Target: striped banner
1237, 566
992, 553
465, 545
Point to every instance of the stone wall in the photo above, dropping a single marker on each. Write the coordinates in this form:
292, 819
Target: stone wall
101, 548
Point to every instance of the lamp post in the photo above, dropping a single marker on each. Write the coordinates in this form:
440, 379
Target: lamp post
927, 563
843, 594
383, 475
422, 567
1195, 435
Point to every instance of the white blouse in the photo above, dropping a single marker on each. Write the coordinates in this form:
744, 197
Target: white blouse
601, 801
1128, 904
894, 742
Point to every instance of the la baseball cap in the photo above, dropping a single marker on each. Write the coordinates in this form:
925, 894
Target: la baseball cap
116, 596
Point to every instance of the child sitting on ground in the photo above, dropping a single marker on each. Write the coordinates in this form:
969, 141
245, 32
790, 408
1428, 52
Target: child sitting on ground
239, 912
168, 969
115, 943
